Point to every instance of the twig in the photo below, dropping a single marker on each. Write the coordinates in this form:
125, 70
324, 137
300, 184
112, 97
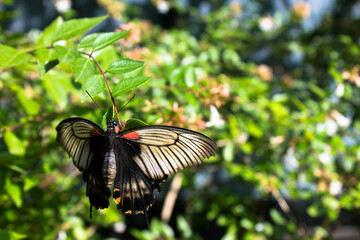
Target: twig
171, 197
107, 84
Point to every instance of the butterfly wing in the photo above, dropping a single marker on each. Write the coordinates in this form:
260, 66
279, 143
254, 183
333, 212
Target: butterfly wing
74, 136
151, 154
83, 140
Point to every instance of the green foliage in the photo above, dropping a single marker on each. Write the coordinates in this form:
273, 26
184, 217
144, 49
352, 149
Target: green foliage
287, 131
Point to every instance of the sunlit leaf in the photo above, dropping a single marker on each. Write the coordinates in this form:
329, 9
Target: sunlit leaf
71, 28
106, 39
124, 65
47, 35
94, 85
88, 40
10, 57
66, 54
83, 68
128, 84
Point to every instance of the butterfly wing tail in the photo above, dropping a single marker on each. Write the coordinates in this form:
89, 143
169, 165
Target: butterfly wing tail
97, 191
133, 192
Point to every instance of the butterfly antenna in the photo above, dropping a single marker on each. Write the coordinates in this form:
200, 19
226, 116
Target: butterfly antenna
127, 103
94, 102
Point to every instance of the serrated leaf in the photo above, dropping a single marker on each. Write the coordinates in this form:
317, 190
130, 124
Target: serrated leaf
135, 73
134, 123
106, 39
124, 66
128, 84
83, 68
14, 144
10, 57
74, 27
14, 192
88, 40
94, 85
66, 54
47, 35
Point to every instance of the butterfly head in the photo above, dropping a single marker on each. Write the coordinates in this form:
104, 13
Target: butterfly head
111, 126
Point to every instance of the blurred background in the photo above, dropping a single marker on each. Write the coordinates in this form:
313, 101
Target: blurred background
274, 82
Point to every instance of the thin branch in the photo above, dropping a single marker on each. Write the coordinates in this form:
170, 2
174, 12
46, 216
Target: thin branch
286, 209
107, 84
171, 197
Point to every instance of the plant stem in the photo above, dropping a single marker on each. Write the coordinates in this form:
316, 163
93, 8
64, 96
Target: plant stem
107, 84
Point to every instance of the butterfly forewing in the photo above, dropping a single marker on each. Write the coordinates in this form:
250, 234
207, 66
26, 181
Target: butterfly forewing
165, 149
74, 135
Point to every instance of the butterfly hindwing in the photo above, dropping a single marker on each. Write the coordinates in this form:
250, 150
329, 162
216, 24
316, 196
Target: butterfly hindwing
133, 190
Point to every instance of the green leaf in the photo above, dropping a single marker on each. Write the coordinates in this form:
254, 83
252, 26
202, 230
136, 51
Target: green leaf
66, 54
106, 39
88, 40
134, 123
228, 152
45, 55
94, 85
75, 27
135, 73
184, 227
31, 107
47, 35
54, 88
14, 144
10, 57
83, 68
128, 84
190, 76
109, 115
317, 90
14, 192
30, 182
277, 217
10, 235
124, 66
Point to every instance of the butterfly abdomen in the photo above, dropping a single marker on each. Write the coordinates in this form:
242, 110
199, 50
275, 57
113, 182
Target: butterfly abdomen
109, 167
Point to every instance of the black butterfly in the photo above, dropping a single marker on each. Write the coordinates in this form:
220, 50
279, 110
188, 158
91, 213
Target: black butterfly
135, 160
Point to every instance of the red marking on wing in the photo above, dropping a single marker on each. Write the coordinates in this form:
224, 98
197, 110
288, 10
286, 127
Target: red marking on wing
131, 135
94, 131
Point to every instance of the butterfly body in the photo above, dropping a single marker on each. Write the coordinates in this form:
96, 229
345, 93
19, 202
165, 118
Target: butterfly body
134, 161
109, 168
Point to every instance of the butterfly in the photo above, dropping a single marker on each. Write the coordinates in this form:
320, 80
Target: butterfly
134, 161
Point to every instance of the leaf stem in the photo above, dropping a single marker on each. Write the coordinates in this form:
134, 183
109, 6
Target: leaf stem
107, 84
